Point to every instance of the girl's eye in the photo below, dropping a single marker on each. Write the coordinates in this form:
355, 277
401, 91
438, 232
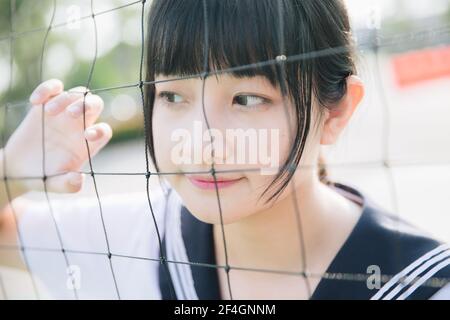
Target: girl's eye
249, 101
170, 97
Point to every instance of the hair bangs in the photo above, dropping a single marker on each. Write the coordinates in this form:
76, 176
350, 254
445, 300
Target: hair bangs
237, 36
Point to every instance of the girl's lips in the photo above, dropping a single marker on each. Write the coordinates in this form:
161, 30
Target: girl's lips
209, 184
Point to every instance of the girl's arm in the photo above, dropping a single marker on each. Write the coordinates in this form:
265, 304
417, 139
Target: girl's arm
11, 207
14, 187
9, 245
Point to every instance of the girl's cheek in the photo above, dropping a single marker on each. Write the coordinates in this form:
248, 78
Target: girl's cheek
162, 143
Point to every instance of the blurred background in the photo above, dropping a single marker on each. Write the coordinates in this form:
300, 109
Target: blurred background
397, 148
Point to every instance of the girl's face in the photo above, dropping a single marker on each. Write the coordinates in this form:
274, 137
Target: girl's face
250, 125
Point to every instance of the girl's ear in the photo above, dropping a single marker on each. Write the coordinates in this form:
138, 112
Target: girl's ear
340, 114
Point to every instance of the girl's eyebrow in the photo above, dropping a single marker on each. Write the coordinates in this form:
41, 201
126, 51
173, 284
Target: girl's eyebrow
174, 79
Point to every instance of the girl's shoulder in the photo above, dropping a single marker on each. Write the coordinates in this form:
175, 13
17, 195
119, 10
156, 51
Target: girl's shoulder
392, 258
85, 222
107, 240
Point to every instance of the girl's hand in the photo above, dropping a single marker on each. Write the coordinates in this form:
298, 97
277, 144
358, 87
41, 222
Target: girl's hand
65, 144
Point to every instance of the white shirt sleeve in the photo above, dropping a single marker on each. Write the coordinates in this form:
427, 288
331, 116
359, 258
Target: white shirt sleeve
442, 294
127, 231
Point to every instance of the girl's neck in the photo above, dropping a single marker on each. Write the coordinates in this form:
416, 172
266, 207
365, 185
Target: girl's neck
280, 239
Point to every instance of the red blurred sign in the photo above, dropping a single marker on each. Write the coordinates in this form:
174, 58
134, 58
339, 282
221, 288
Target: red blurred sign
418, 66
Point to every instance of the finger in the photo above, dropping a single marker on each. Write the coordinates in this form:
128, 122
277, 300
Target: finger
98, 132
46, 90
55, 105
91, 105
100, 139
80, 90
70, 182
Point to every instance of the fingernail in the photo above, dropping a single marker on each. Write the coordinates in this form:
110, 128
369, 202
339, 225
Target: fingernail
35, 97
50, 107
75, 179
91, 134
75, 110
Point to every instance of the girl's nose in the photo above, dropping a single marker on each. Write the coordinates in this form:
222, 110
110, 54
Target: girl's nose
217, 149
211, 142
211, 112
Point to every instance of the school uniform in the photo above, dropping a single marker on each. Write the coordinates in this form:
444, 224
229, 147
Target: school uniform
125, 261
379, 239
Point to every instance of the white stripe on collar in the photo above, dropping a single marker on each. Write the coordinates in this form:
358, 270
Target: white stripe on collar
410, 268
413, 276
424, 278
180, 269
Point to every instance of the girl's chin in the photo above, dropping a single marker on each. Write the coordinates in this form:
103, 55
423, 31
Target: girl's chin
215, 219
208, 212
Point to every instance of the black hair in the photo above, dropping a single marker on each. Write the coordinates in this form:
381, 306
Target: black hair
243, 32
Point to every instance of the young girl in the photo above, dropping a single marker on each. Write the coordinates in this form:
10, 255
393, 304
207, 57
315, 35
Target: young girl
222, 230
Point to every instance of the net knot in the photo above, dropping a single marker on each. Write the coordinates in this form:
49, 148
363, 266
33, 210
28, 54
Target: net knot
281, 58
